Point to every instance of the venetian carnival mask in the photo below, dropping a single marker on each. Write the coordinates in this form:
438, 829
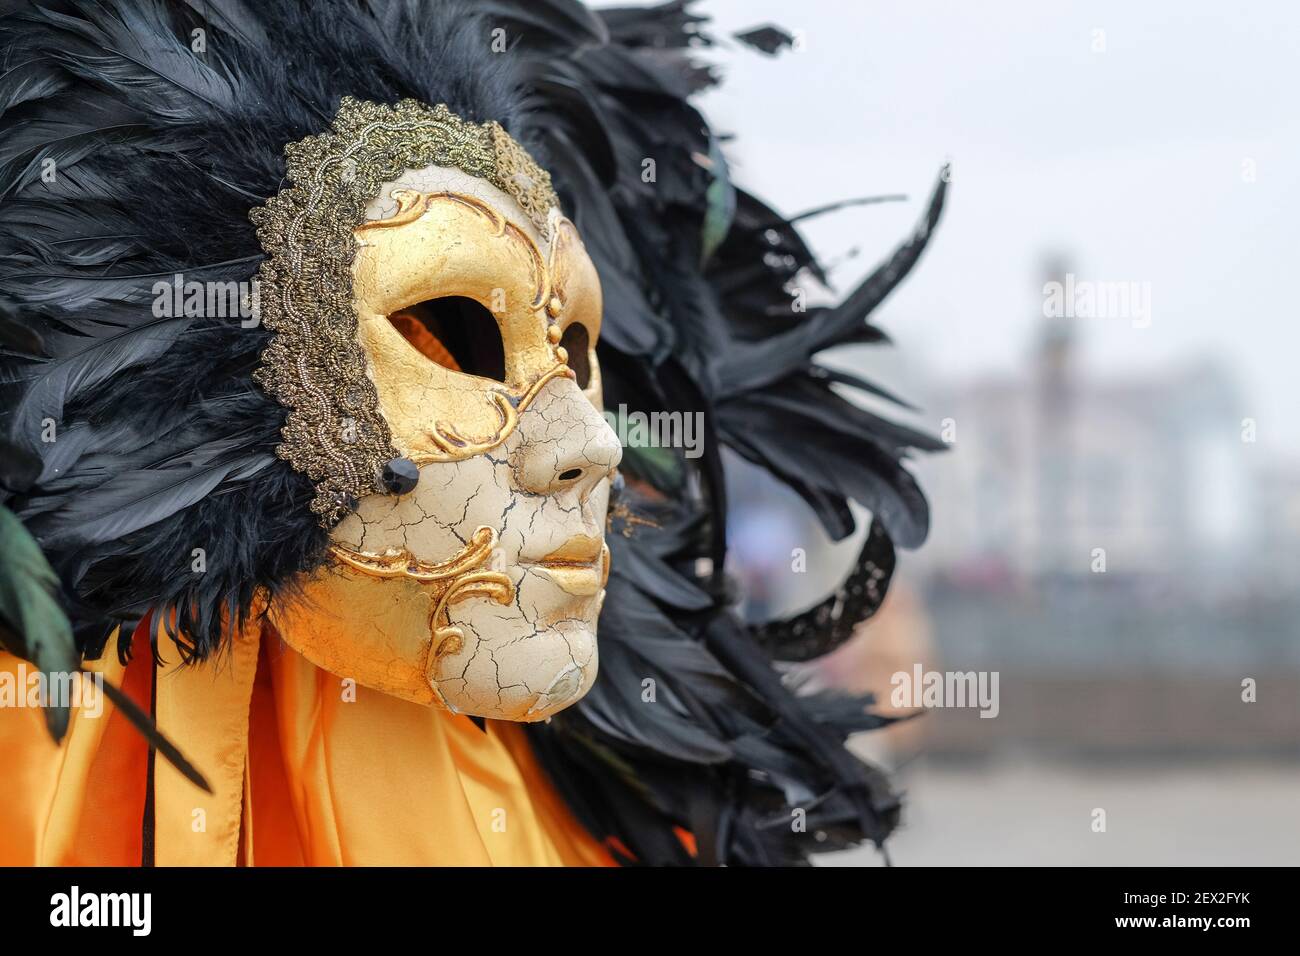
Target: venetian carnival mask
435, 318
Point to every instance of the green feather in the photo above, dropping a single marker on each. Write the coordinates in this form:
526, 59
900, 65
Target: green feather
32, 624
720, 208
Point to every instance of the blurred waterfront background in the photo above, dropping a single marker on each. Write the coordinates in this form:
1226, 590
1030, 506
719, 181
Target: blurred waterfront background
1110, 142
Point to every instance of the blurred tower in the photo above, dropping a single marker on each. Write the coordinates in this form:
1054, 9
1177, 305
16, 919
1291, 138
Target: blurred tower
1055, 393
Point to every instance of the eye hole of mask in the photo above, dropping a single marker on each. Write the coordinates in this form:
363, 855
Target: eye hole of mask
577, 342
456, 333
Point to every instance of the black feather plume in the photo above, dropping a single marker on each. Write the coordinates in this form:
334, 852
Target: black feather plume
128, 155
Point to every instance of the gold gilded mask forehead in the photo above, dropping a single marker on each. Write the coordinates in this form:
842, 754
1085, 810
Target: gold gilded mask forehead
315, 364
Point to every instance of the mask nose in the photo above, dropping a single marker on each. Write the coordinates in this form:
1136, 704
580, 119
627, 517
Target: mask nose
566, 446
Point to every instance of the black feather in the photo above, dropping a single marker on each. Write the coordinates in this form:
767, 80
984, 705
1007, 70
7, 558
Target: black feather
832, 621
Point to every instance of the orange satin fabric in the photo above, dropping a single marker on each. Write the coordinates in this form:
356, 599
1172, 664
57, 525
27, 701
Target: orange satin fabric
306, 769
78, 804
374, 780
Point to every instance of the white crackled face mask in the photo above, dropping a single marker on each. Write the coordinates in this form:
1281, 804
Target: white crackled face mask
459, 453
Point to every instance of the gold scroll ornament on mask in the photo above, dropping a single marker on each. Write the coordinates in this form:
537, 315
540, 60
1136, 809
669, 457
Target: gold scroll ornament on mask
403, 658
448, 244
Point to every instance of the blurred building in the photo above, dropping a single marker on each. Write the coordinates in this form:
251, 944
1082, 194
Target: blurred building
1052, 471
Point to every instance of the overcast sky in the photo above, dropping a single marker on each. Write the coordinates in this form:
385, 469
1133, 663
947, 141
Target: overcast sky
1132, 162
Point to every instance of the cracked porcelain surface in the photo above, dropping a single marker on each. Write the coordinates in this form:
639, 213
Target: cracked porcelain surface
479, 589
